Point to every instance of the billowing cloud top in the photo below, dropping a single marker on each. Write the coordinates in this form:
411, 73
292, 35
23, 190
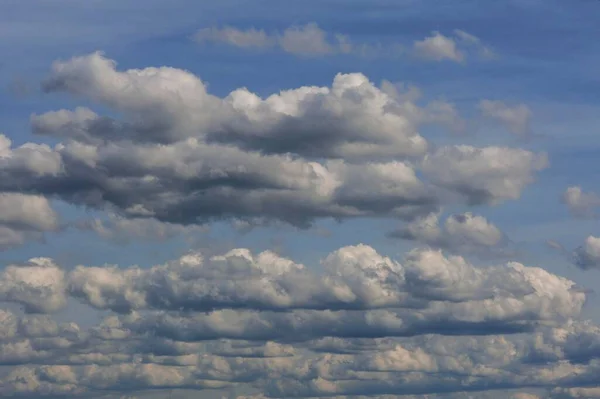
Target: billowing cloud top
182, 155
238, 318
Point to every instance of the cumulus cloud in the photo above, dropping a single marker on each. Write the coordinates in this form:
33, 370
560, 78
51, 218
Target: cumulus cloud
357, 279
460, 233
184, 156
438, 47
581, 204
457, 48
38, 285
24, 217
483, 175
303, 349
588, 255
357, 324
517, 118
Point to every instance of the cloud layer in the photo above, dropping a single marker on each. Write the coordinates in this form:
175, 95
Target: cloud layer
183, 156
371, 325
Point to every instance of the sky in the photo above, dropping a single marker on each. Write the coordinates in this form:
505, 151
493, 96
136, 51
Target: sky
335, 199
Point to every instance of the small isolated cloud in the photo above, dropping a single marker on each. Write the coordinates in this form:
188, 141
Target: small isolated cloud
483, 175
587, 256
517, 118
301, 40
580, 203
460, 233
183, 156
457, 48
438, 47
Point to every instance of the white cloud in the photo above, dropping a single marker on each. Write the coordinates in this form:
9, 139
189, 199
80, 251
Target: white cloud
580, 203
24, 217
438, 47
588, 255
483, 175
457, 48
344, 151
38, 285
460, 233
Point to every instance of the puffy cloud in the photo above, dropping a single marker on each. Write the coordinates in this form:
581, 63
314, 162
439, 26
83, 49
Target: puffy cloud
483, 175
517, 119
438, 47
351, 118
357, 278
38, 285
119, 355
460, 232
588, 255
184, 156
457, 48
24, 217
580, 203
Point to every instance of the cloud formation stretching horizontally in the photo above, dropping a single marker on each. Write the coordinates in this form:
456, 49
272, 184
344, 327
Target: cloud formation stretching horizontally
263, 320
182, 155
310, 40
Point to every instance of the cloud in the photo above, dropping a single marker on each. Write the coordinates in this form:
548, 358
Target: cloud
483, 175
307, 40
460, 233
587, 256
457, 48
24, 217
184, 156
517, 119
38, 285
307, 352
438, 47
580, 203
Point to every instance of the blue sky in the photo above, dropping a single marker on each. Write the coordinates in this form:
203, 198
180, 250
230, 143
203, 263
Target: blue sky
545, 60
